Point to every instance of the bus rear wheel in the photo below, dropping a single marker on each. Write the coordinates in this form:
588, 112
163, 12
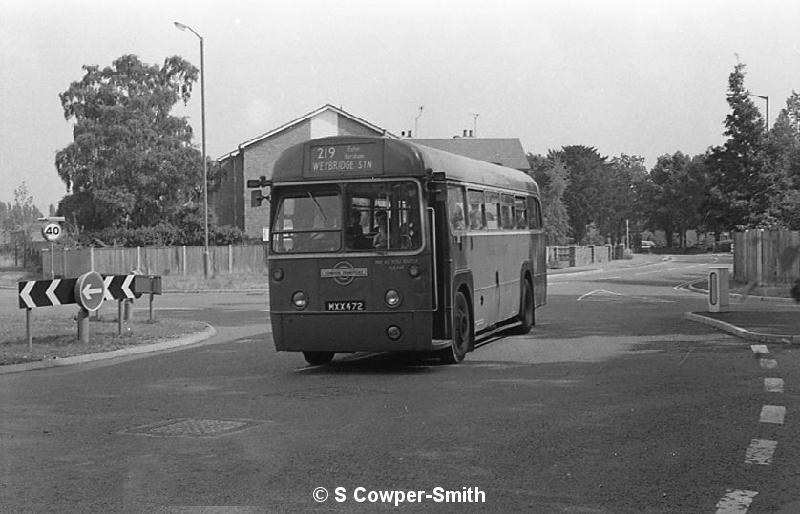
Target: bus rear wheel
462, 331
527, 316
318, 358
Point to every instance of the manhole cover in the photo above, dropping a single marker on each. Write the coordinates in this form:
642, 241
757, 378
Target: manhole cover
186, 427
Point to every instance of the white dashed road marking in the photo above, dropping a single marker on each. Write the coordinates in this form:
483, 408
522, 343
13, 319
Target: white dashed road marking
735, 501
774, 414
760, 452
759, 349
773, 385
768, 363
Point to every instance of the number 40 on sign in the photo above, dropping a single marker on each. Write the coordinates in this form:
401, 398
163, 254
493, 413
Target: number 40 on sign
51, 231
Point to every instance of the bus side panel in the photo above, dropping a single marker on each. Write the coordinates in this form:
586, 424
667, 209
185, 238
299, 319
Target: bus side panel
539, 255
539, 259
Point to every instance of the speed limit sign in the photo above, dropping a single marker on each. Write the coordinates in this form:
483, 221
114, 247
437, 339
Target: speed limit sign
51, 231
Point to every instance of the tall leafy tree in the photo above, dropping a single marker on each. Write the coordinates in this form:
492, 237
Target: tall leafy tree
587, 172
621, 207
777, 203
551, 175
674, 195
736, 166
131, 162
17, 218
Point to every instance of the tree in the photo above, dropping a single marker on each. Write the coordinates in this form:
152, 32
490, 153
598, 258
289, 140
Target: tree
18, 215
17, 219
673, 197
584, 196
131, 162
551, 175
777, 202
736, 166
621, 207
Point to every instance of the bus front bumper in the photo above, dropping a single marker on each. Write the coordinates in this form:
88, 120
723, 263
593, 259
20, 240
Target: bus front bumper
360, 332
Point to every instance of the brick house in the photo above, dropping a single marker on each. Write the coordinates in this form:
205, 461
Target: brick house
257, 156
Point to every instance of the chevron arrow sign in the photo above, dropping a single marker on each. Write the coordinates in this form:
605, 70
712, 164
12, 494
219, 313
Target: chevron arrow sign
46, 293
118, 287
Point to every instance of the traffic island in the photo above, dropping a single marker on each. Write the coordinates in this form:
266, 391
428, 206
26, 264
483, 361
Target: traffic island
54, 336
758, 326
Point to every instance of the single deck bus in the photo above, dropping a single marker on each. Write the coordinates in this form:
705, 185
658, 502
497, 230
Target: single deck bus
384, 245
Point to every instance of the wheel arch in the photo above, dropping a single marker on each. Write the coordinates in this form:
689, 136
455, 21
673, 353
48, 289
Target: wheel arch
462, 281
526, 274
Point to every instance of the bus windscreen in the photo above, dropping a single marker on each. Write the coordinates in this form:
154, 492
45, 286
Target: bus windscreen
378, 216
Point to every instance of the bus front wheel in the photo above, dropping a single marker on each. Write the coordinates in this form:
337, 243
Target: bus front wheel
318, 358
462, 331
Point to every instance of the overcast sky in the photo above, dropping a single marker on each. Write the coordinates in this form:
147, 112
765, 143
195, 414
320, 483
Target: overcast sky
636, 77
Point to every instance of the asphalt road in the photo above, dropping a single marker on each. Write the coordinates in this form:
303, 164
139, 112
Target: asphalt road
613, 403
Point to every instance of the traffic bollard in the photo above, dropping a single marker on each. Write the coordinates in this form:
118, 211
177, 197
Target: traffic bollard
718, 289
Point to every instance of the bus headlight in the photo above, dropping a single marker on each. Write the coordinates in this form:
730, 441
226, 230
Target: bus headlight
299, 300
392, 298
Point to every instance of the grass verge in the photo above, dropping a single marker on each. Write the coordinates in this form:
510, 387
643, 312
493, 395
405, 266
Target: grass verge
55, 335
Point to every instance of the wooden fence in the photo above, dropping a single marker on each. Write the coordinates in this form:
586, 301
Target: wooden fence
188, 260
757, 256
153, 260
571, 256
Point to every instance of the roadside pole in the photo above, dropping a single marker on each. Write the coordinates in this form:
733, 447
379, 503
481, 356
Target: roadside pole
89, 291
83, 325
28, 329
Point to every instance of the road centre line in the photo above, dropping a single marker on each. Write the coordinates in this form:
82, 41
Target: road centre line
760, 452
735, 501
774, 414
773, 385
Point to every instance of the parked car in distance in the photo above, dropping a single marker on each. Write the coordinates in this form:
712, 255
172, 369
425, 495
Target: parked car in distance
646, 245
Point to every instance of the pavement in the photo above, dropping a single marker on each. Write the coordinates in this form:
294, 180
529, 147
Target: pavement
762, 319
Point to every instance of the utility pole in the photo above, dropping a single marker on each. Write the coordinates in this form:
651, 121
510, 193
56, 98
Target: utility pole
474, 124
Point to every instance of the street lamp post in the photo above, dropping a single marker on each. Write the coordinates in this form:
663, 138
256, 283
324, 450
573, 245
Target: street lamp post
181, 26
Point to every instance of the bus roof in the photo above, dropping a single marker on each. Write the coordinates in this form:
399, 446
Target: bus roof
343, 157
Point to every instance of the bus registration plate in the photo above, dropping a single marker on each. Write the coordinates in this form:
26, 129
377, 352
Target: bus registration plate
344, 306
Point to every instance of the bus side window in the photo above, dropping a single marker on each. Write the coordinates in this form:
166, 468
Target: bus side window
475, 201
520, 213
534, 213
455, 208
492, 204
506, 211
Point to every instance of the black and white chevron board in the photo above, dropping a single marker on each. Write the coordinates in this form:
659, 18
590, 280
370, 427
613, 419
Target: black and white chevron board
61, 291
44, 293
119, 287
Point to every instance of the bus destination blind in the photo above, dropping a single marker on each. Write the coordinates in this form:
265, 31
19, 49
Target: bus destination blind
344, 159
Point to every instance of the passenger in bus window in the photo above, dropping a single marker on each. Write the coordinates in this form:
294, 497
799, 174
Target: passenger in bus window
355, 232
407, 236
456, 216
381, 239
